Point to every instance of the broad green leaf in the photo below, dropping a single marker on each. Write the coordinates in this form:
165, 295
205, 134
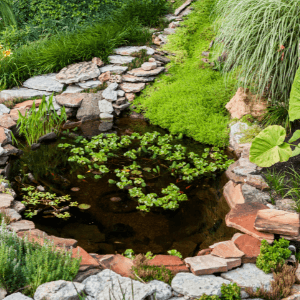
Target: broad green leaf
296, 151
295, 136
84, 206
294, 104
269, 147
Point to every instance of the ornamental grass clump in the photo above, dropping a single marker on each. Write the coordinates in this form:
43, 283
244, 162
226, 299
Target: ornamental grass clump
261, 40
25, 265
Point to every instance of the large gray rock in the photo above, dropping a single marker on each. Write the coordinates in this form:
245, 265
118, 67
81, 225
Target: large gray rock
17, 296
236, 133
89, 109
113, 69
131, 49
14, 215
90, 84
105, 106
22, 225
252, 194
59, 290
4, 109
45, 82
105, 126
119, 59
73, 89
108, 285
109, 93
162, 290
6, 201
22, 93
249, 276
78, 72
194, 286
132, 87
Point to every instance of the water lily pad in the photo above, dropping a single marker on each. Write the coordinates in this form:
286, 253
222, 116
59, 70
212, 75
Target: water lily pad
84, 206
136, 172
147, 169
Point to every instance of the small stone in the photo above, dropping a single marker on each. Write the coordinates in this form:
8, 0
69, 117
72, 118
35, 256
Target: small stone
132, 49
132, 87
87, 262
130, 96
148, 66
252, 195
121, 101
69, 100
6, 201
115, 79
250, 246
168, 31
4, 109
105, 106
115, 199
121, 93
73, 89
7, 122
151, 59
233, 194
162, 290
18, 206
162, 59
139, 72
5, 136
134, 79
204, 252
22, 225
97, 61
106, 117
119, 59
117, 263
48, 137
114, 69
3, 160
173, 263
13, 215
104, 76
89, 84
227, 249
110, 94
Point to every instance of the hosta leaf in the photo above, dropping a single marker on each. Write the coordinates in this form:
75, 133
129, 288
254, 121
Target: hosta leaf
269, 147
295, 136
294, 104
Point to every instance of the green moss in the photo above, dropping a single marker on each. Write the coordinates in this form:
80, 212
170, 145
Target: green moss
250, 134
191, 98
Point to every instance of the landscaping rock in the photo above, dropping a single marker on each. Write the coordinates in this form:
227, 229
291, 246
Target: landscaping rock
48, 137
257, 181
121, 101
6, 201
89, 109
250, 246
161, 58
3, 160
5, 136
148, 66
278, 222
236, 133
45, 82
204, 252
17, 296
105, 126
168, 31
97, 61
242, 217
173, 263
70, 100
115, 78
104, 76
72, 89
252, 195
114, 69
131, 49
209, 264
106, 117
119, 59
4, 109
7, 122
3, 293
249, 276
28, 103
233, 194
119, 108
56, 106
35, 146
130, 78
14, 113
121, 93
227, 249
182, 7
109, 93
195, 286
22, 225
105, 106
11, 150
81, 276
132, 87
117, 263
59, 289
22, 93
14, 216
78, 72
139, 72
162, 290
89, 84
286, 204
87, 262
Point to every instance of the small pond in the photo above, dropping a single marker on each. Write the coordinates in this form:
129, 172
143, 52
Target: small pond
112, 223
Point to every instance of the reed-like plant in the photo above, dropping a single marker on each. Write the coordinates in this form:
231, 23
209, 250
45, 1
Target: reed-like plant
261, 40
38, 122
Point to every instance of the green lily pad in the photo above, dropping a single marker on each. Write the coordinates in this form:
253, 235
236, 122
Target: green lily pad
147, 169
84, 206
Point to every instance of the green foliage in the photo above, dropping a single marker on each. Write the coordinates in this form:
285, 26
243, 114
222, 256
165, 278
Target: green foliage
190, 99
272, 256
49, 201
174, 252
206, 297
4, 217
25, 265
260, 41
250, 133
231, 291
294, 104
276, 181
36, 123
140, 58
6, 14
129, 253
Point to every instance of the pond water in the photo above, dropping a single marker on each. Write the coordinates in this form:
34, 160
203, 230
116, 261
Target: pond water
112, 223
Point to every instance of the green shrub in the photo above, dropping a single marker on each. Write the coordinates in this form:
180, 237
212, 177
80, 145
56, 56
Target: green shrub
231, 291
206, 297
272, 256
261, 41
25, 265
174, 252
6, 13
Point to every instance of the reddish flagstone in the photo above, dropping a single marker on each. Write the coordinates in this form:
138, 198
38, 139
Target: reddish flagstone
29, 103
233, 194
14, 113
204, 252
242, 217
117, 263
87, 262
173, 263
227, 249
7, 122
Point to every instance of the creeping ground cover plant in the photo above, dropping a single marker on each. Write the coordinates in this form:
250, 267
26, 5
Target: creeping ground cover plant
149, 156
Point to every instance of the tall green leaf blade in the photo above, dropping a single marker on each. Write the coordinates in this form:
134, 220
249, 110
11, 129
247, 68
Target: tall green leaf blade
269, 147
294, 104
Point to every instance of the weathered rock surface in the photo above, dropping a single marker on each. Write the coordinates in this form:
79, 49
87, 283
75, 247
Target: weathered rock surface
47, 137
168, 31
249, 276
78, 72
22, 225
233, 194
105, 106
45, 82
277, 221
209, 264
242, 217
117, 263
120, 59
4, 109
252, 195
130, 78
11, 150
89, 84
18, 206
105, 126
17, 296
132, 87
59, 289
22, 93
6, 201
148, 66
182, 7
173, 263
14, 113
89, 109
250, 246
71, 89
70, 100
139, 72
97, 61
14, 216
87, 261
7, 122
195, 286
285, 204
227, 249
257, 181
162, 290
110, 92
114, 69
161, 58
106, 117
236, 133
5, 136
131, 49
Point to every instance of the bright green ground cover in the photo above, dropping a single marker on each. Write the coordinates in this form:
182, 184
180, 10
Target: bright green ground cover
191, 98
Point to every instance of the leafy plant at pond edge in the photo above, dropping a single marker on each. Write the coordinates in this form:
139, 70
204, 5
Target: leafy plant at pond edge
272, 256
129, 253
229, 292
95, 156
174, 252
49, 201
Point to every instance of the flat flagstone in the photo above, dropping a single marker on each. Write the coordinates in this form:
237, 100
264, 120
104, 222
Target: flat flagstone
45, 82
130, 78
250, 246
252, 194
117, 263
242, 217
89, 109
148, 66
22, 93
87, 262
6, 201
140, 72
182, 7
70, 100
14, 113
22, 225
89, 84
114, 69
277, 221
132, 87
120, 59
227, 249
131, 49
233, 194
173, 263
28, 104
105, 106
73, 89
209, 264
7, 122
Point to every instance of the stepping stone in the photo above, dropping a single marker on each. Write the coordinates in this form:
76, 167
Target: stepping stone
173, 263
22, 93
130, 78
69, 100
28, 104
250, 246
87, 262
249, 276
14, 216
194, 287
6, 201
117, 263
132, 87
278, 222
233, 194
182, 7
106, 117
7, 122
209, 264
252, 194
148, 66
110, 94
5, 136
22, 225
242, 217
73, 89
227, 249
142, 73
18, 206
114, 69
168, 31
119, 59
105, 106
89, 109
78, 72
4, 109
161, 58
44, 83
90, 84
131, 49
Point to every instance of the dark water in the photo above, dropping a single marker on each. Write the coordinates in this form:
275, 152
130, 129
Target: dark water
110, 226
